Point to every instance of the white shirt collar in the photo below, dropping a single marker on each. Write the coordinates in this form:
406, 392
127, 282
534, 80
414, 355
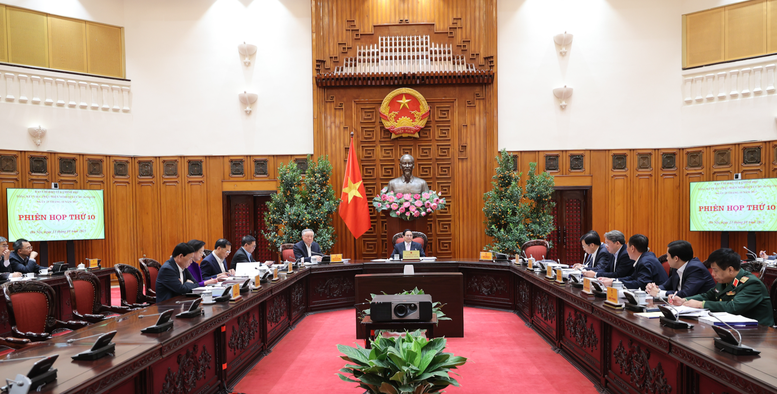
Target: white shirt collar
636, 261
681, 270
219, 261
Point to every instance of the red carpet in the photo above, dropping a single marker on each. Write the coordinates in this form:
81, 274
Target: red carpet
504, 356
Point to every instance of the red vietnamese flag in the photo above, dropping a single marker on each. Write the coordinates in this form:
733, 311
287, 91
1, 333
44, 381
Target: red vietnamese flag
353, 199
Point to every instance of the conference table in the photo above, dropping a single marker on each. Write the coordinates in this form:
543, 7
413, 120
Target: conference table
615, 349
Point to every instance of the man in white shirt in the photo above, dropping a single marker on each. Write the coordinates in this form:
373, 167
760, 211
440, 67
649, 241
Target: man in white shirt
307, 249
690, 277
408, 244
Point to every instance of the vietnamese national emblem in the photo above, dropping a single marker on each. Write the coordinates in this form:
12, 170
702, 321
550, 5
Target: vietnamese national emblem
404, 112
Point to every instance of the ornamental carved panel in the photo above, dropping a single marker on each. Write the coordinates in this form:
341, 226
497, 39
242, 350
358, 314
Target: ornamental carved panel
619, 162
94, 167
246, 330
695, 159
195, 167
751, 155
121, 168
644, 161
260, 167
8, 164
39, 165
67, 166
486, 285
191, 368
170, 168
634, 361
302, 164
145, 169
276, 310
298, 305
576, 163
668, 161
236, 167
334, 287
551, 163
545, 306
576, 326
523, 293
722, 157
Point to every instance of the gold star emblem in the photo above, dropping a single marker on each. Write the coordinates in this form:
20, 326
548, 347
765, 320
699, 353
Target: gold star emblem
403, 102
352, 190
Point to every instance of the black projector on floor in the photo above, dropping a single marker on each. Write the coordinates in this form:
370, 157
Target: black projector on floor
401, 308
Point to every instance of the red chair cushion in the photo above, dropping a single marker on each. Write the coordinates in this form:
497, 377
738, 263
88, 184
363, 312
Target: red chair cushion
152, 273
84, 296
666, 267
30, 311
130, 288
288, 255
536, 251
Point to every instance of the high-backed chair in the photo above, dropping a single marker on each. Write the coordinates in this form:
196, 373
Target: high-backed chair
31, 311
287, 252
537, 248
206, 253
131, 287
85, 296
417, 237
150, 269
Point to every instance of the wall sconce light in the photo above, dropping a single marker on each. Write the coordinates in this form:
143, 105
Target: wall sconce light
247, 99
563, 94
563, 40
246, 50
37, 133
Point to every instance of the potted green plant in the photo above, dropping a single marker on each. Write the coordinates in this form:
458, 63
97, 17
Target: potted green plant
407, 364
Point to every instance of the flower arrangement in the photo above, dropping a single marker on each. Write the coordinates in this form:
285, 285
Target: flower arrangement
408, 206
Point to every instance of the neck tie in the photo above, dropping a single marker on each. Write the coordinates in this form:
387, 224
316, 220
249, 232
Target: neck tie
588, 260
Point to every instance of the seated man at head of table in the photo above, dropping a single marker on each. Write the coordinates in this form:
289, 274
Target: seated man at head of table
245, 253
216, 262
737, 292
174, 278
306, 248
407, 244
596, 254
688, 277
23, 258
647, 269
5, 260
621, 265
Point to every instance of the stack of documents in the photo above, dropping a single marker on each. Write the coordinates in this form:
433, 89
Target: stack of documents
732, 320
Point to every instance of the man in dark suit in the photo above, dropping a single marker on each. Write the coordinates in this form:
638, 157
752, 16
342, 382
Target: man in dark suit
5, 260
647, 269
245, 253
596, 254
407, 244
215, 264
307, 249
621, 265
23, 257
688, 276
174, 278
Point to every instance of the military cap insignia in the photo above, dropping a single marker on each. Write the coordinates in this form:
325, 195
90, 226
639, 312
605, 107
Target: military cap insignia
731, 293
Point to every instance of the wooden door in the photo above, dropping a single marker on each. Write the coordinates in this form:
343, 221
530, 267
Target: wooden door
246, 217
572, 218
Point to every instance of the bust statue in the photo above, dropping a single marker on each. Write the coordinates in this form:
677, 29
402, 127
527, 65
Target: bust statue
407, 183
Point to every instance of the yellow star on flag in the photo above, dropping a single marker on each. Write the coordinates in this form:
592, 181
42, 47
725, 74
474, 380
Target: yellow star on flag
403, 102
352, 190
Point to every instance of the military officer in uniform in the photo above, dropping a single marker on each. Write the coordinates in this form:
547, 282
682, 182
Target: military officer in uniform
737, 292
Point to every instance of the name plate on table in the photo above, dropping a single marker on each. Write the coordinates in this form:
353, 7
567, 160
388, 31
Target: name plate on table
612, 298
587, 285
559, 275
549, 274
486, 256
291, 268
235, 290
530, 264
335, 258
411, 255
257, 280
94, 263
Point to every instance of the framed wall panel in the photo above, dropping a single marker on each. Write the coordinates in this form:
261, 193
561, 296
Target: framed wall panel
67, 44
27, 37
148, 219
745, 30
704, 34
3, 34
172, 206
105, 50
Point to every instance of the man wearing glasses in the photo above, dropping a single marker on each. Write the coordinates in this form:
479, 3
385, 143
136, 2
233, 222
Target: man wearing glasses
23, 257
215, 264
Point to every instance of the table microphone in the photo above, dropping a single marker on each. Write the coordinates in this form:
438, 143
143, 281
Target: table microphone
727, 343
750, 252
153, 314
78, 339
672, 323
10, 360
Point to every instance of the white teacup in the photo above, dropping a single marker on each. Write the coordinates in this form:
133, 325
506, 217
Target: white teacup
207, 297
44, 271
81, 266
29, 275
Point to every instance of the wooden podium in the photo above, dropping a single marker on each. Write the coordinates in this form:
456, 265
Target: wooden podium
397, 225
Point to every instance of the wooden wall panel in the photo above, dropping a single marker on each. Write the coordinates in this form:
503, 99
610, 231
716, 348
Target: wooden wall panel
94, 177
10, 177
120, 212
171, 221
195, 197
619, 187
667, 195
147, 207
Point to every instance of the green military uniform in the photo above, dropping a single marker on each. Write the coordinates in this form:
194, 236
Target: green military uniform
745, 295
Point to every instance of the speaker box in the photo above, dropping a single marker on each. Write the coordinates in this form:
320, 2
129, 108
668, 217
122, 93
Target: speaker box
385, 308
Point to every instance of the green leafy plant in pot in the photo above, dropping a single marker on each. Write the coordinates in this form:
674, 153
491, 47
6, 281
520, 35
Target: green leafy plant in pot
406, 364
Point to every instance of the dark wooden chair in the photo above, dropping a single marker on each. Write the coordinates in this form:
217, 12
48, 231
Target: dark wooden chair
150, 268
537, 248
287, 252
418, 236
31, 311
85, 296
131, 287
206, 253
